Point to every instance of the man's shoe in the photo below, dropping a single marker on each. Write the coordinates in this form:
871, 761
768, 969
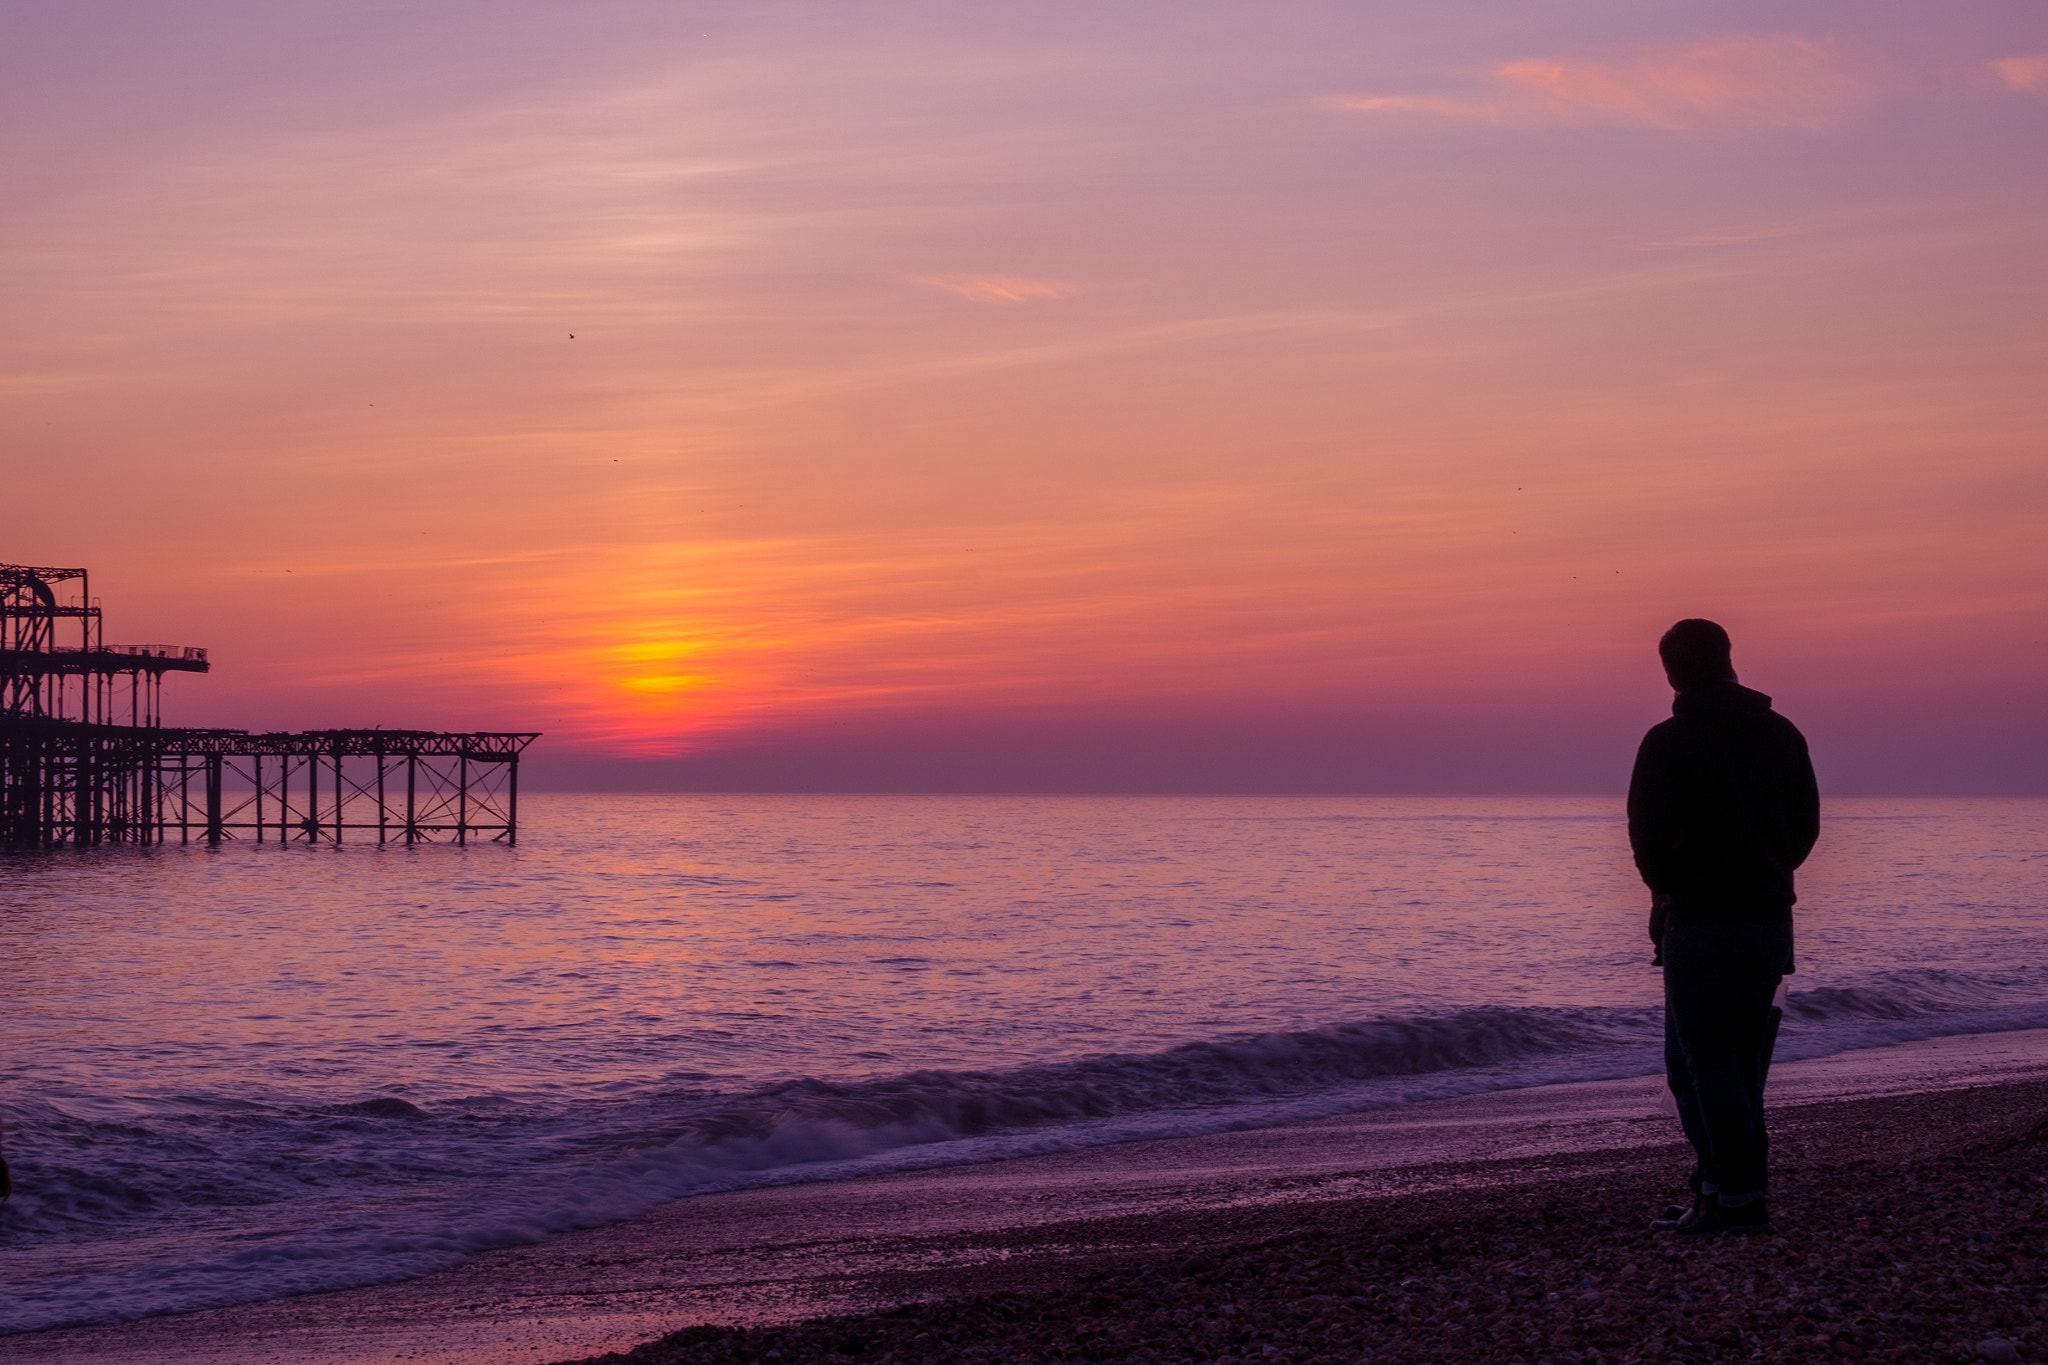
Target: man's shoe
1717, 1217
1676, 1215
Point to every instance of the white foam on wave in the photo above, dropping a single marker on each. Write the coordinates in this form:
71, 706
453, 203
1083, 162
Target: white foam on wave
129, 1209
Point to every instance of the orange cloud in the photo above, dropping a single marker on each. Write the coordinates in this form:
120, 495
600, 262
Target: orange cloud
1738, 81
1000, 288
2027, 75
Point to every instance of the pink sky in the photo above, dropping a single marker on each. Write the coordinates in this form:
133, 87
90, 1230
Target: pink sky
1064, 396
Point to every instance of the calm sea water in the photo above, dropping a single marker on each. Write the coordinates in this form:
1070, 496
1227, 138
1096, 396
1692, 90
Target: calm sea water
241, 1072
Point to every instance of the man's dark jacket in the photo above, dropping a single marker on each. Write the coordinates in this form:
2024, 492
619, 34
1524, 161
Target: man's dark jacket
1722, 807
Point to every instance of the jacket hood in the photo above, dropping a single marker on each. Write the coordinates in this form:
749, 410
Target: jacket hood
1727, 698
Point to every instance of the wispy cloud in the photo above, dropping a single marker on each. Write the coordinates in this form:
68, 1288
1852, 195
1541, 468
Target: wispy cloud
1781, 80
1740, 236
1001, 288
30, 385
2027, 75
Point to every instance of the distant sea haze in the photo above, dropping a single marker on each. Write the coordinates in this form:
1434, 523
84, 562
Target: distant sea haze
248, 1072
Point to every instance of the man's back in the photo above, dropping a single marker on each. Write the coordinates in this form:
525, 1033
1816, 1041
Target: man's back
1723, 806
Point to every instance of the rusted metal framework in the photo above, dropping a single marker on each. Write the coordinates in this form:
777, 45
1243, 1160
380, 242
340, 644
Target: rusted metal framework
73, 774
55, 663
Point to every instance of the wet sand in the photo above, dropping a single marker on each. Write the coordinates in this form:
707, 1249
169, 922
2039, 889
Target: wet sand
1037, 1226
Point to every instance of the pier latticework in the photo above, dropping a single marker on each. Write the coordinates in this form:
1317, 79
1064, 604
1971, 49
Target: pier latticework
86, 760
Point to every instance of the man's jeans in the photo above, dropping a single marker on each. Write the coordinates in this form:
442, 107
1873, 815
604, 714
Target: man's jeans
1719, 1029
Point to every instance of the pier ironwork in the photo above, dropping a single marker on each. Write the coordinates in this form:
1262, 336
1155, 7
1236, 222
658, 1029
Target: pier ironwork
85, 758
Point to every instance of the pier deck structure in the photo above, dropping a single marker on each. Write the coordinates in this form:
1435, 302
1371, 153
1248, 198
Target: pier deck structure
85, 758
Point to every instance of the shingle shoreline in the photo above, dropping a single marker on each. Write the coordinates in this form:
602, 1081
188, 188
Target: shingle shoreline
1909, 1228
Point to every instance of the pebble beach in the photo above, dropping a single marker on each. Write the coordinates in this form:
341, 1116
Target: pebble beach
1906, 1228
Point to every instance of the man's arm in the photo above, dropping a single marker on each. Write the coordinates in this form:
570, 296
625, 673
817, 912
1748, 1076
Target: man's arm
1805, 807
1654, 815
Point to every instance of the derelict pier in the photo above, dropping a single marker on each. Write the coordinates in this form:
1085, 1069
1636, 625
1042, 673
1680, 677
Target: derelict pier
86, 760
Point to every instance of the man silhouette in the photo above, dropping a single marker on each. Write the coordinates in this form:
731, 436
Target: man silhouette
1721, 808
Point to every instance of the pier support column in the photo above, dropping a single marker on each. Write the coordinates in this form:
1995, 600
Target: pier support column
213, 819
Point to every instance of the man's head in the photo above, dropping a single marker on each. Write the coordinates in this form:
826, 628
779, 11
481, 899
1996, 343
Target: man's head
1695, 653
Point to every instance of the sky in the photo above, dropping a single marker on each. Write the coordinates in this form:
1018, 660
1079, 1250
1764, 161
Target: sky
1062, 396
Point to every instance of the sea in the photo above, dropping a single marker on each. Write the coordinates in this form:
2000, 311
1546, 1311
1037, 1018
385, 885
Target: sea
248, 1071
